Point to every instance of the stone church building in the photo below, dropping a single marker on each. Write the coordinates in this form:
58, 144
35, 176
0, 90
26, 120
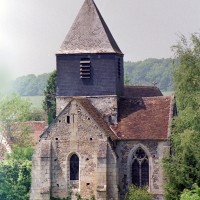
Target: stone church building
106, 136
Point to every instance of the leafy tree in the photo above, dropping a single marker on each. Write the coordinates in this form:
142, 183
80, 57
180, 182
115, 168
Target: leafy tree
137, 193
182, 167
15, 174
14, 111
15, 171
49, 103
193, 194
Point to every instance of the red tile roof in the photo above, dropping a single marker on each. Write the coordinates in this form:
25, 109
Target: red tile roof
146, 118
37, 127
141, 91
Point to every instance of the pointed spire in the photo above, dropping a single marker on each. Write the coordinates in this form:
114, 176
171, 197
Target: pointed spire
89, 33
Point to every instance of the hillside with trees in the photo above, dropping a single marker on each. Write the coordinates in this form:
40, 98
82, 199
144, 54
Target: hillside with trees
150, 71
144, 72
30, 85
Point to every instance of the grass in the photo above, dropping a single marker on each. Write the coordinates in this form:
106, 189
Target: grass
35, 100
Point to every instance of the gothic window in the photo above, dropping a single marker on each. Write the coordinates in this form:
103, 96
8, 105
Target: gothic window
74, 167
140, 168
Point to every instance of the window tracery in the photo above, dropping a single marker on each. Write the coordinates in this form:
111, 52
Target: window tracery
140, 168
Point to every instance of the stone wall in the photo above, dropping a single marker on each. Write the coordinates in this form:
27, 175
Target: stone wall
112, 174
155, 151
106, 105
83, 137
41, 171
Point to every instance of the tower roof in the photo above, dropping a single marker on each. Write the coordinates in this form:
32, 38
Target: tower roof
89, 33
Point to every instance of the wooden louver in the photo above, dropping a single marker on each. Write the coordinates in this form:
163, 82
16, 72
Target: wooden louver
85, 69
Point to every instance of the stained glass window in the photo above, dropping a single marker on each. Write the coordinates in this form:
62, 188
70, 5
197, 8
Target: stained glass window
140, 168
74, 167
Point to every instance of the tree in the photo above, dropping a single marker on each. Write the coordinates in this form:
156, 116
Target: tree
14, 111
15, 171
49, 103
15, 180
182, 167
193, 194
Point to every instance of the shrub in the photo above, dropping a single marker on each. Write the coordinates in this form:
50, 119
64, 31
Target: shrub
137, 193
193, 194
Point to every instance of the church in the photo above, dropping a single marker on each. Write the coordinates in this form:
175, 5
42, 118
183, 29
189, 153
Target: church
106, 136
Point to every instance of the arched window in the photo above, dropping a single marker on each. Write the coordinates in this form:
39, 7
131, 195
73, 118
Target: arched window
140, 168
74, 167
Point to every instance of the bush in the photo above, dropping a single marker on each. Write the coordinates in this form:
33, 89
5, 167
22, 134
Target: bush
137, 193
193, 194
15, 179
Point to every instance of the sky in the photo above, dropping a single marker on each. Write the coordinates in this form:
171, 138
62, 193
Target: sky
31, 31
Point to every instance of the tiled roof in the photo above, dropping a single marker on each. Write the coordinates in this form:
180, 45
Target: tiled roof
141, 91
97, 117
89, 33
146, 118
37, 127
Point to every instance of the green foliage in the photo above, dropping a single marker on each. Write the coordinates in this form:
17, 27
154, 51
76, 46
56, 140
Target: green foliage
182, 167
49, 103
149, 71
137, 193
30, 85
15, 179
193, 194
21, 153
14, 109
36, 101
14, 112
78, 197
15, 171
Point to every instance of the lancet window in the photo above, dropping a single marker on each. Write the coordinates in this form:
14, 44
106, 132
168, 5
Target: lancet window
74, 167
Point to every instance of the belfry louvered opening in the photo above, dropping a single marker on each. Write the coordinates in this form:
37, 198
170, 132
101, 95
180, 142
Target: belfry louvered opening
85, 68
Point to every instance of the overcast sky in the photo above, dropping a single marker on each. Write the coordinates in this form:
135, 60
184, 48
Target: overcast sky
31, 31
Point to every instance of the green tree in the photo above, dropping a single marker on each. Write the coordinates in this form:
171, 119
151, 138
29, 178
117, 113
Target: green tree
137, 193
182, 167
49, 103
193, 194
15, 179
14, 111
15, 171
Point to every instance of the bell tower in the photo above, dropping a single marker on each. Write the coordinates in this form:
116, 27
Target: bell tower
89, 62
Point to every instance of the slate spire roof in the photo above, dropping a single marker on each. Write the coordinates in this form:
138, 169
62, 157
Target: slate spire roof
89, 33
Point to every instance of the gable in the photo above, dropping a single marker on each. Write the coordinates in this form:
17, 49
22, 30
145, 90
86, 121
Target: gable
78, 116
